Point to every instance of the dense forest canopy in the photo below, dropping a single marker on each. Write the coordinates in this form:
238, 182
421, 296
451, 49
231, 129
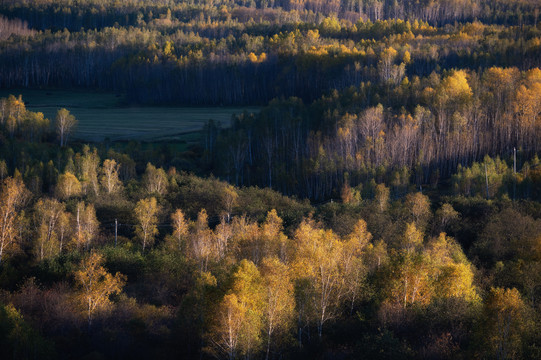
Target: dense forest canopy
198, 53
101, 254
385, 203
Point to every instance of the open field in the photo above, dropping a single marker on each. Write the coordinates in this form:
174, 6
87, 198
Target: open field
105, 115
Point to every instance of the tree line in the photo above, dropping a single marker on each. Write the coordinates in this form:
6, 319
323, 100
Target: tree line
217, 59
92, 14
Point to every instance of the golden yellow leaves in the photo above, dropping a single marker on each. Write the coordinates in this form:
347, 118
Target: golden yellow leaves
68, 186
421, 273
258, 307
13, 195
96, 285
455, 87
257, 59
146, 212
505, 322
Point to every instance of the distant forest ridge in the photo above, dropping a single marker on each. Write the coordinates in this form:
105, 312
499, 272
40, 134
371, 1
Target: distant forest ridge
102, 13
238, 53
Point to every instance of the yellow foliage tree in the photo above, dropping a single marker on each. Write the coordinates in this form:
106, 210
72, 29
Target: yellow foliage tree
146, 213
505, 323
96, 285
317, 271
225, 333
13, 195
47, 219
155, 180
109, 176
238, 322
279, 299
65, 124
86, 225
180, 229
202, 246
274, 240
68, 186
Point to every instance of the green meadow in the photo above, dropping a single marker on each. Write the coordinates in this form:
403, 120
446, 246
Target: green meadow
106, 115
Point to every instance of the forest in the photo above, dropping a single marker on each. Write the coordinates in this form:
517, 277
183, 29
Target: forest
385, 203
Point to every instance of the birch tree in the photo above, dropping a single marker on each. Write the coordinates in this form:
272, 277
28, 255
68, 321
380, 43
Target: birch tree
65, 124
146, 212
13, 196
109, 176
96, 285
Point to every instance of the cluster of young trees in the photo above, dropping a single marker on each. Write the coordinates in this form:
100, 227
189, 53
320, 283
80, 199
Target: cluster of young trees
17, 121
423, 129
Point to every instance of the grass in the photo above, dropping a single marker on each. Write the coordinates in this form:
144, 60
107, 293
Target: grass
106, 115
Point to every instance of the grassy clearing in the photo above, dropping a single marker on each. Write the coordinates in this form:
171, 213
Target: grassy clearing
105, 115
